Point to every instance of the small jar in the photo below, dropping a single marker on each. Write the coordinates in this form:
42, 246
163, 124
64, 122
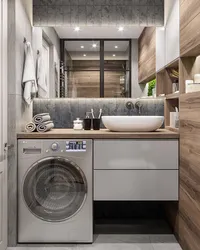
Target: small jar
78, 124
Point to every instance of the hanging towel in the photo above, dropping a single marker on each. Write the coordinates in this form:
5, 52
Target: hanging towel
45, 126
40, 118
29, 80
30, 127
41, 78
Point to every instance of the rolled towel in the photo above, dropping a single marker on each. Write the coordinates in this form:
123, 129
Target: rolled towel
30, 127
45, 126
40, 118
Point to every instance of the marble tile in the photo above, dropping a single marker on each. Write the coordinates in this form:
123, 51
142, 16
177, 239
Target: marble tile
64, 111
90, 9
159, 13
74, 12
143, 10
97, 14
105, 12
82, 14
120, 13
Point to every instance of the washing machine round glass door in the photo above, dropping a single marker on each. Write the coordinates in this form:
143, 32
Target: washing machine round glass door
54, 189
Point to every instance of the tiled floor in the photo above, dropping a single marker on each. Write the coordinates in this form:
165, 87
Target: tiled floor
116, 242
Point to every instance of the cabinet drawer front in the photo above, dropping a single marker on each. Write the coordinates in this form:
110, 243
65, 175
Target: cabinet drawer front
136, 154
136, 185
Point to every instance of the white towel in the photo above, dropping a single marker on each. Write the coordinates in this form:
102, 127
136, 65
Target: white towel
29, 80
45, 126
41, 78
30, 127
40, 118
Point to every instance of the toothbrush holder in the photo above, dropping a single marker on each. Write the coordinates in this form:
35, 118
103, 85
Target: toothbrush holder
96, 123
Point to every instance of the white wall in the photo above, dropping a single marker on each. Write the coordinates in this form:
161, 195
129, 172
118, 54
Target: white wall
19, 27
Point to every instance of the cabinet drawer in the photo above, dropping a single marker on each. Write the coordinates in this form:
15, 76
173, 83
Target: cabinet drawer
136, 154
136, 185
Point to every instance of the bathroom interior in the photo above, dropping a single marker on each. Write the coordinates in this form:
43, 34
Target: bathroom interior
100, 124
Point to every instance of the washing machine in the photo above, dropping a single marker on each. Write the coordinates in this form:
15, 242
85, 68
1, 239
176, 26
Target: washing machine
55, 191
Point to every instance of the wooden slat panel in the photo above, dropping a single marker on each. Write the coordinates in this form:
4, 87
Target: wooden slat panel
188, 228
189, 10
190, 28
147, 53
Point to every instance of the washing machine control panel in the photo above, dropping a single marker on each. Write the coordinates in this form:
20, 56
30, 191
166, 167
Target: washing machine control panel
76, 146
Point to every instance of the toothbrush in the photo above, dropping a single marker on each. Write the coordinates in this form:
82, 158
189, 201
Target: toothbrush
100, 113
92, 111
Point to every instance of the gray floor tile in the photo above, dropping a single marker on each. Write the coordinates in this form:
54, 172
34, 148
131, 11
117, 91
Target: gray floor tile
117, 246
162, 238
121, 238
166, 246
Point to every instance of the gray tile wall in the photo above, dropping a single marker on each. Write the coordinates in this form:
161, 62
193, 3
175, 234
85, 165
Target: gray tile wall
98, 12
64, 111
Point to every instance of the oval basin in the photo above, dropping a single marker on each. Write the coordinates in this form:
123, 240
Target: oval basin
133, 123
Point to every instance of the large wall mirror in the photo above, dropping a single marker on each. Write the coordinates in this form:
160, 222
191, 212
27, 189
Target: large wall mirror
95, 68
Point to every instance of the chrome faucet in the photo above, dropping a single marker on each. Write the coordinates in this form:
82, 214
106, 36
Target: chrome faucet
138, 105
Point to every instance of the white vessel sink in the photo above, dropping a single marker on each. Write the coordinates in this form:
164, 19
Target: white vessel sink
132, 123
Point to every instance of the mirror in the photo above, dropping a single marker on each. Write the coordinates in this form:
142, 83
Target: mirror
96, 68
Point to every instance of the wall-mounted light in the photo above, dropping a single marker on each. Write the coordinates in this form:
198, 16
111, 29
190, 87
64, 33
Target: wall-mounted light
82, 47
77, 28
121, 28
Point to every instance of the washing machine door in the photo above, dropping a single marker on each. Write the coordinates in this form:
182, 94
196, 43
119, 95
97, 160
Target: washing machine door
54, 189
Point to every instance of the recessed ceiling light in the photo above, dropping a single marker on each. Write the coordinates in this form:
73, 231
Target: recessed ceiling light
114, 55
120, 28
84, 55
94, 45
77, 28
116, 47
82, 47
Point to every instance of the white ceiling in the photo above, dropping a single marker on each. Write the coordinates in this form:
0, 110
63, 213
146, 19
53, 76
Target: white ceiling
99, 32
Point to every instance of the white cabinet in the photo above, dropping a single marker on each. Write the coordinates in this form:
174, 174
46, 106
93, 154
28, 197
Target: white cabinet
168, 37
136, 185
139, 169
172, 37
136, 154
160, 48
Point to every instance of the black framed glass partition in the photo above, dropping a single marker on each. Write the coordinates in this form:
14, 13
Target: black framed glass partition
95, 68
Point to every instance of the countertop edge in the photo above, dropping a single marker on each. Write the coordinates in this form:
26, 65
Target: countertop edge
102, 134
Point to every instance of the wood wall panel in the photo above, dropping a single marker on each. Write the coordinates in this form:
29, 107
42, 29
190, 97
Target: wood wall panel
189, 27
147, 54
188, 227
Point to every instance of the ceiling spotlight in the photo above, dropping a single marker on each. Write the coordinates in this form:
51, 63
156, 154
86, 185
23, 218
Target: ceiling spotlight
77, 28
121, 28
94, 45
84, 55
116, 47
82, 47
114, 55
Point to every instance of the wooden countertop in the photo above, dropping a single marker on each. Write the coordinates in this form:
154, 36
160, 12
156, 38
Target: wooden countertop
99, 134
